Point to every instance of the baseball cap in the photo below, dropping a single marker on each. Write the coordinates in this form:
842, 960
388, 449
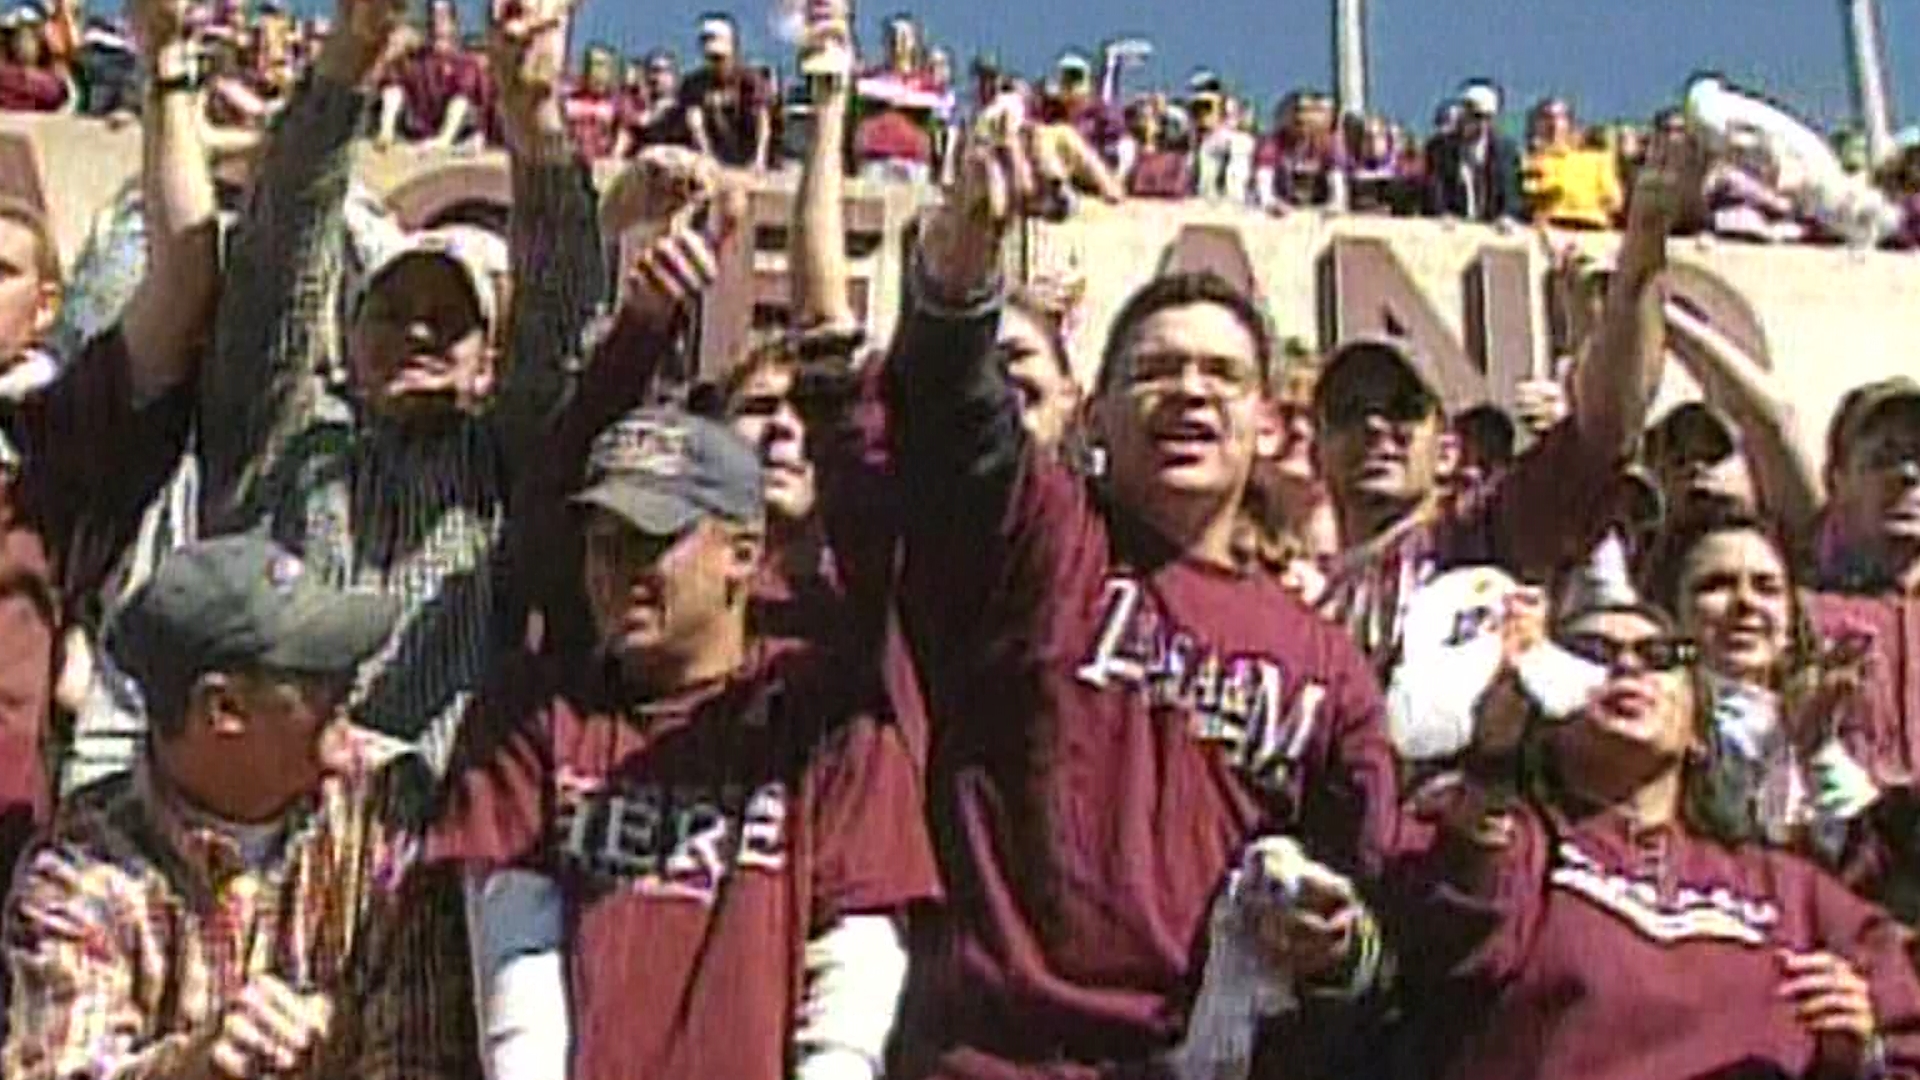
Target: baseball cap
662, 469
1074, 63
480, 256
1691, 431
1371, 364
1864, 404
1481, 98
716, 32
239, 602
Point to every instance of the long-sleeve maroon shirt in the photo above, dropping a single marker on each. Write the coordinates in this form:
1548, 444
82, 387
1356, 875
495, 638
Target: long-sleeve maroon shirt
1113, 721
1537, 944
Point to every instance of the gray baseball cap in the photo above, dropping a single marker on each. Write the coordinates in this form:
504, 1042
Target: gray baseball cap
662, 469
240, 602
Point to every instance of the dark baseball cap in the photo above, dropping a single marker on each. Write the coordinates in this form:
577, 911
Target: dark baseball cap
1371, 366
1691, 431
1863, 405
662, 469
241, 602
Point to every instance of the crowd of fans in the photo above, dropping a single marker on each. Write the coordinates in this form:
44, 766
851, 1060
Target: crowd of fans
496, 696
1204, 142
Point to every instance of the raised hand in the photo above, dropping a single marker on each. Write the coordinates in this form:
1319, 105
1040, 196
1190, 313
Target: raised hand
675, 186
527, 43
1671, 186
158, 24
961, 242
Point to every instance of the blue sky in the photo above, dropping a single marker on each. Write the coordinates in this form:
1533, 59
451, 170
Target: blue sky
1611, 57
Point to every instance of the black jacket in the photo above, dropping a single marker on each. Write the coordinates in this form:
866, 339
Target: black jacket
1498, 182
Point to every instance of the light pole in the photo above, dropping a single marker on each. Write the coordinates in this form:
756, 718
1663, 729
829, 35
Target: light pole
1350, 55
1868, 64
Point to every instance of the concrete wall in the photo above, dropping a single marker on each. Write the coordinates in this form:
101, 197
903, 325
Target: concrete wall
1478, 301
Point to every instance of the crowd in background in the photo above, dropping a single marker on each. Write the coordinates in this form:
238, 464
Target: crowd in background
413, 665
1206, 140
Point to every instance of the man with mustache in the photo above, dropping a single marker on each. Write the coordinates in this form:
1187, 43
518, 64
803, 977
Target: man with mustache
401, 486
1384, 444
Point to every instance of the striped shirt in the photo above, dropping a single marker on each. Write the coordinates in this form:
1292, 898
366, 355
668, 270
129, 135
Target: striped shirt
133, 925
414, 513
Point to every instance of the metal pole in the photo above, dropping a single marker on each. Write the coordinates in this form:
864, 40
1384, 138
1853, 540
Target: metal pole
1350, 55
1868, 63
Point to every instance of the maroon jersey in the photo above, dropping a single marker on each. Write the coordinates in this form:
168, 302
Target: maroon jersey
594, 120
1112, 722
430, 79
699, 842
1579, 947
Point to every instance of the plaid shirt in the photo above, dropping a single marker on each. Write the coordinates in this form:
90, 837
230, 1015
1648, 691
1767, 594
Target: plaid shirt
130, 929
413, 514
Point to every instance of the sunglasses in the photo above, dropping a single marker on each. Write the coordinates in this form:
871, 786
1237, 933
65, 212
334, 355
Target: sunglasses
1649, 654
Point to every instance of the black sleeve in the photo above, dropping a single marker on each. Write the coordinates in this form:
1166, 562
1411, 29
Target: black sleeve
955, 420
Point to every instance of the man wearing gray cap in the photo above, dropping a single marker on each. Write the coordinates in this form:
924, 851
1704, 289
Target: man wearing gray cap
244, 901
687, 849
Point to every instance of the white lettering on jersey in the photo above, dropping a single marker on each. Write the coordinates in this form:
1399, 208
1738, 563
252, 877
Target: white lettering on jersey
669, 841
1233, 701
1692, 914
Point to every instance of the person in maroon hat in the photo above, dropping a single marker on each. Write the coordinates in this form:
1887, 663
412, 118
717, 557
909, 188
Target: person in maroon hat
1384, 447
1578, 905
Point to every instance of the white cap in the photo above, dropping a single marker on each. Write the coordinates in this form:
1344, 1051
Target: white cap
1073, 61
1450, 651
1481, 98
480, 256
716, 28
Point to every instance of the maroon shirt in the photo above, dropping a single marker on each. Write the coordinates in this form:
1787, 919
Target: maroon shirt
1584, 949
594, 120
431, 78
30, 89
1536, 518
699, 842
1161, 174
90, 463
1112, 723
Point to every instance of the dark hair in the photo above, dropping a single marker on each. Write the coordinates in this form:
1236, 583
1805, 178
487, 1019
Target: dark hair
1183, 290
1667, 562
1708, 807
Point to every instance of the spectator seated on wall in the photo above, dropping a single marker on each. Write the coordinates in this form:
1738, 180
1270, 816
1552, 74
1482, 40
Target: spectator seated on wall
1568, 184
1304, 162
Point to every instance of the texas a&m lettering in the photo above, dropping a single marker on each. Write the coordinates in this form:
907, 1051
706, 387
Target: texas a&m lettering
1234, 701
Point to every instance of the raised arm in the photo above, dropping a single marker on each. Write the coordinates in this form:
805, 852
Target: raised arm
559, 271
274, 324
957, 424
1615, 381
818, 255
167, 319
1786, 469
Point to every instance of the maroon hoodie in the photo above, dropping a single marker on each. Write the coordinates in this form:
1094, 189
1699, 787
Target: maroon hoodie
1538, 944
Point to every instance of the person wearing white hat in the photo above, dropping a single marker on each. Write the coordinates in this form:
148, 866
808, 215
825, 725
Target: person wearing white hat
400, 484
726, 110
1476, 170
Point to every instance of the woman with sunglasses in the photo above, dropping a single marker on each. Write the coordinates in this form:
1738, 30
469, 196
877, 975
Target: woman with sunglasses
1573, 907
1779, 698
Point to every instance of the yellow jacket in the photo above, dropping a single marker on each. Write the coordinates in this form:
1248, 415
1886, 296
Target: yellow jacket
1573, 186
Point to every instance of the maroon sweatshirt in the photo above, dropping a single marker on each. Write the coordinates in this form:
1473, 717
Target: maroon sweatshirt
1112, 721
1537, 944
